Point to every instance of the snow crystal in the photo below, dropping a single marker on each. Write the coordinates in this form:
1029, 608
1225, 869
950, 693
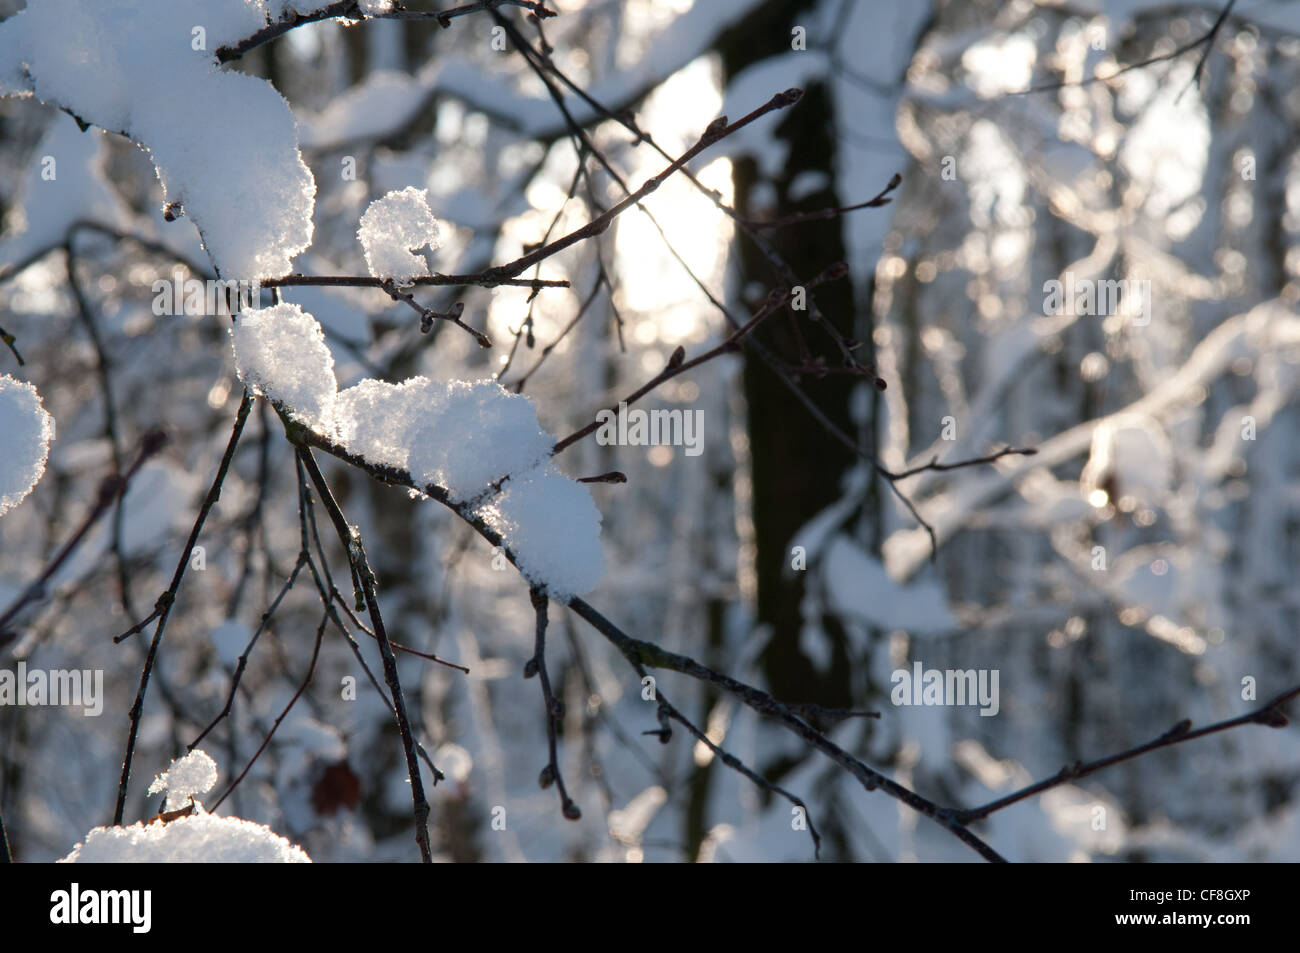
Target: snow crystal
392, 228
224, 143
25, 434
477, 433
191, 774
199, 838
552, 526
280, 352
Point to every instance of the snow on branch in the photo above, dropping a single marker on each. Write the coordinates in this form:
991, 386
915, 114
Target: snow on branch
394, 227
473, 440
224, 143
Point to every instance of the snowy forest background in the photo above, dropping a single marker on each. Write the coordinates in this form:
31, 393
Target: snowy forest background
1170, 444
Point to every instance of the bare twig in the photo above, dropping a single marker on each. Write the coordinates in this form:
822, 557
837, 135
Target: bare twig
717, 130
352, 545
677, 363
639, 653
110, 489
242, 663
9, 342
485, 279
1269, 714
546, 351
311, 670
554, 709
1206, 39
646, 653
934, 464
168, 599
428, 315
351, 10
821, 215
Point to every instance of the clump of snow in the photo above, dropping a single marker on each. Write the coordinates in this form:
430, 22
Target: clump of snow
392, 228
474, 433
553, 527
199, 838
191, 774
224, 143
462, 436
25, 434
372, 417
280, 352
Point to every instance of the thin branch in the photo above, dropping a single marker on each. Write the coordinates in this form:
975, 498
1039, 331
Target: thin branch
667, 711
1270, 715
677, 363
638, 653
526, 327
444, 17
428, 315
242, 664
1206, 39
110, 489
484, 279
311, 670
554, 709
717, 130
168, 599
546, 351
1209, 43
330, 595
110, 421
934, 464
9, 342
337, 596
352, 545
824, 214
351, 10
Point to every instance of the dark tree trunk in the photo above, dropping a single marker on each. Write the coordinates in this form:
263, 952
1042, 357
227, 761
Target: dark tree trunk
796, 466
